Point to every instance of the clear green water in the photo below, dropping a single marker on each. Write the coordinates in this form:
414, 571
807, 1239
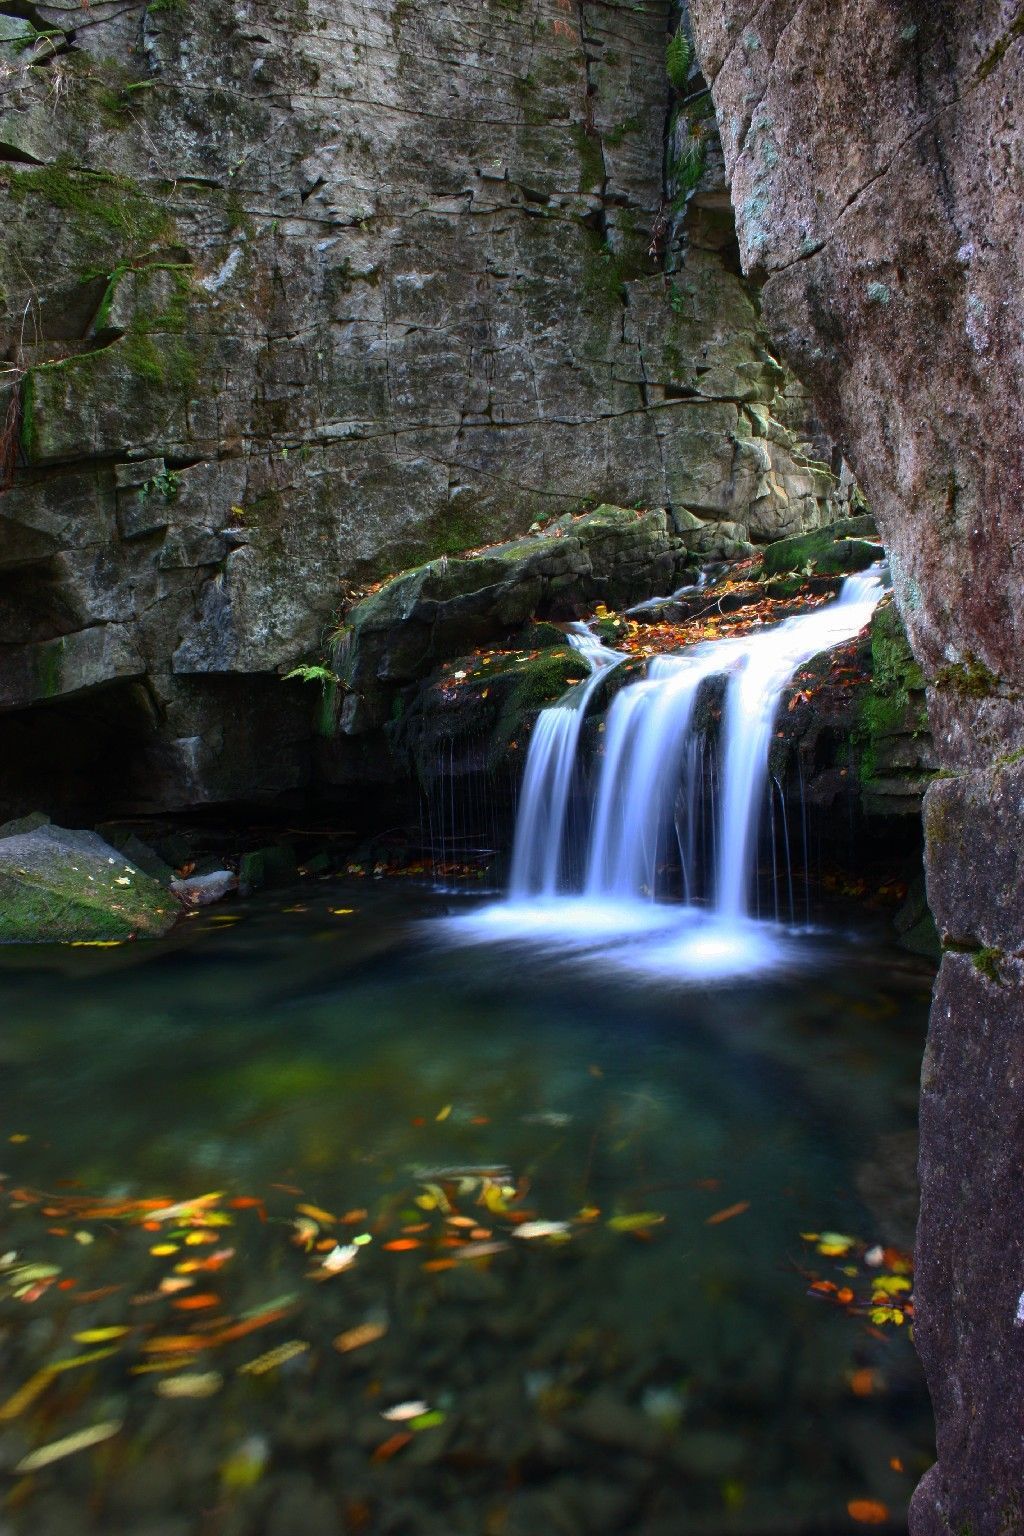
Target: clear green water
664, 1381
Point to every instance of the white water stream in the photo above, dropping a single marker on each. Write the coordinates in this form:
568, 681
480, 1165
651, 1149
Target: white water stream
648, 763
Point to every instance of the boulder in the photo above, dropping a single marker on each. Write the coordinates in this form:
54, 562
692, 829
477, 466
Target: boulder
60, 886
204, 890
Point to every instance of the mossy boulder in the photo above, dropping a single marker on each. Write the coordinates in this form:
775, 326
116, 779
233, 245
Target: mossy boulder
58, 886
441, 610
837, 550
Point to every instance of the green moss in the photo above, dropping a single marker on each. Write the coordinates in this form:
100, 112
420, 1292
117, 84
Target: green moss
995, 55
97, 199
602, 275
970, 679
538, 682
620, 131
988, 961
171, 364
894, 704
591, 157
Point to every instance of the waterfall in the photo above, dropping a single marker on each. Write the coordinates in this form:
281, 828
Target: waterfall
550, 767
651, 753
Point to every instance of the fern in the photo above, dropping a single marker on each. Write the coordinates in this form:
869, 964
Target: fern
314, 674
678, 57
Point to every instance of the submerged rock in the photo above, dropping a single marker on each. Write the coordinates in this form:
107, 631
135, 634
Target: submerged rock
60, 886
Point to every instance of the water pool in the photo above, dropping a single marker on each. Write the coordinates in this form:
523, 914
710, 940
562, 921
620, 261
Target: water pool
496, 1240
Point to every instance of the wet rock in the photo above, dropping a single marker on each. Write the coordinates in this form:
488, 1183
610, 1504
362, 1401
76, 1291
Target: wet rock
203, 890
439, 611
832, 551
59, 886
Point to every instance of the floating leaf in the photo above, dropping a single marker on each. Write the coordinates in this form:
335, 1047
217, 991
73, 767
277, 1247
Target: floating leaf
58, 1449
391, 1446
867, 1511
359, 1337
194, 1385
834, 1244
402, 1244
339, 1258
728, 1213
273, 1358
99, 1335
635, 1222
444, 1113
427, 1420
26, 1395
413, 1409
317, 1214
534, 1229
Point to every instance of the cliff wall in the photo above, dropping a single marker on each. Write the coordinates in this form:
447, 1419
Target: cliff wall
877, 167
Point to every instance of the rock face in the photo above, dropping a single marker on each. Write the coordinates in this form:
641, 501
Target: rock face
58, 886
294, 297
877, 173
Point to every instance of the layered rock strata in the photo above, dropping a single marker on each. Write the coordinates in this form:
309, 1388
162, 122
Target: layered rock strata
295, 297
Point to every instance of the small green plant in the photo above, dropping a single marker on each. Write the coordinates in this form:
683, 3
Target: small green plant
165, 483
686, 171
678, 57
316, 673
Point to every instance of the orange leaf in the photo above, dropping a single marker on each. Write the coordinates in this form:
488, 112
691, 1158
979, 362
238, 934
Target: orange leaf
728, 1214
197, 1302
402, 1244
391, 1446
433, 1266
867, 1511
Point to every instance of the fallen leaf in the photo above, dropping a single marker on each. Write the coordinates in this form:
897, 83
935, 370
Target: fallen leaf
402, 1411
867, 1511
99, 1335
635, 1222
58, 1449
534, 1229
359, 1337
728, 1214
273, 1358
339, 1258
391, 1446
195, 1384
402, 1244
317, 1214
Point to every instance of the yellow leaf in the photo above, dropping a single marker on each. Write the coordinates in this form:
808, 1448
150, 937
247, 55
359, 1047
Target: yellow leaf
635, 1222
99, 1335
444, 1113
273, 1358
317, 1214
192, 1384
58, 1449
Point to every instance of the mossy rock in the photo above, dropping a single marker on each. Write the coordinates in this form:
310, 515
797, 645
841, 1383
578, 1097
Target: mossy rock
832, 551
65, 887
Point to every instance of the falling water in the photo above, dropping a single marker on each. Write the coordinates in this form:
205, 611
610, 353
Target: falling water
650, 795
550, 766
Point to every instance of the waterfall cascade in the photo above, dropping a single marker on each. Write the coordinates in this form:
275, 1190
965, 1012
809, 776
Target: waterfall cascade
649, 790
